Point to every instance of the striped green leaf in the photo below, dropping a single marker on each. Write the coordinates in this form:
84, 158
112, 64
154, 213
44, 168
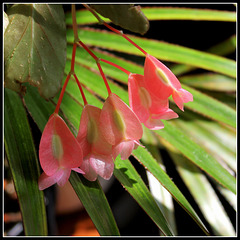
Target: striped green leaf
23, 162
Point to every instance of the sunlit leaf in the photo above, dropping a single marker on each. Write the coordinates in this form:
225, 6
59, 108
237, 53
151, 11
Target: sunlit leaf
132, 182
197, 155
204, 195
35, 48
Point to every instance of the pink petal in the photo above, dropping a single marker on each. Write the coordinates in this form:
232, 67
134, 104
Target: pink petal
166, 115
78, 170
154, 124
58, 147
124, 149
159, 79
118, 122
90, 173
89, 135
139, 99
181, 96
46, 181
103, 165
66, 174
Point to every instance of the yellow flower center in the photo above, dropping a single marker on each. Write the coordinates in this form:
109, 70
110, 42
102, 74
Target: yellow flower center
162, 76
145, 97
57, 147
118, 120
92, 131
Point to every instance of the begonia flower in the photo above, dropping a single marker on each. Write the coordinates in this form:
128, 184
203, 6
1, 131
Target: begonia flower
59, 153
149, 109
120, 126
97, 152
161, 82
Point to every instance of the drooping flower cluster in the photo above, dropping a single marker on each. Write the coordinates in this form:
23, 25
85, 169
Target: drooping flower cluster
111, 131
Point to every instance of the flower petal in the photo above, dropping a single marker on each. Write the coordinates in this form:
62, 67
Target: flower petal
90, 173
166, 115
154, 124
78, 170
46, 181
103, 165
118, 122
181, 96
58, 147
139, 101
89, 135
125, 149
66, 174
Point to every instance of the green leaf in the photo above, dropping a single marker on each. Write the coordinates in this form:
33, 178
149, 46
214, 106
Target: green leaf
223, 48
215, 146
23, 162
211, 107
144, 157
95, 203
214, 82
132, 182
197, 155
164, 13
35, 48
175, 13
126, 16
160, 50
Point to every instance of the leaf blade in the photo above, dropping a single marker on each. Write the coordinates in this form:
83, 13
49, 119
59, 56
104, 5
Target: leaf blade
24, 165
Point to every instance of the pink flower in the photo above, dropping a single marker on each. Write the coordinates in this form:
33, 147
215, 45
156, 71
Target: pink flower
120, 126
59, 153
97, 152
149, 109
161, 82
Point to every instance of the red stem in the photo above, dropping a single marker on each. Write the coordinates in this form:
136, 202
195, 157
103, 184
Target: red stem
81, 90
127, 38
98, 64
115, 65
73, 57
61, 94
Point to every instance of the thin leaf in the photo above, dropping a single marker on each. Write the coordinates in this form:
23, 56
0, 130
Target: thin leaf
197, 155
214, 82
132, 182
164, 13
211, 107
35, 47
223, 48
160, 50
95, 203
23, 161
175, 13
162, 196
